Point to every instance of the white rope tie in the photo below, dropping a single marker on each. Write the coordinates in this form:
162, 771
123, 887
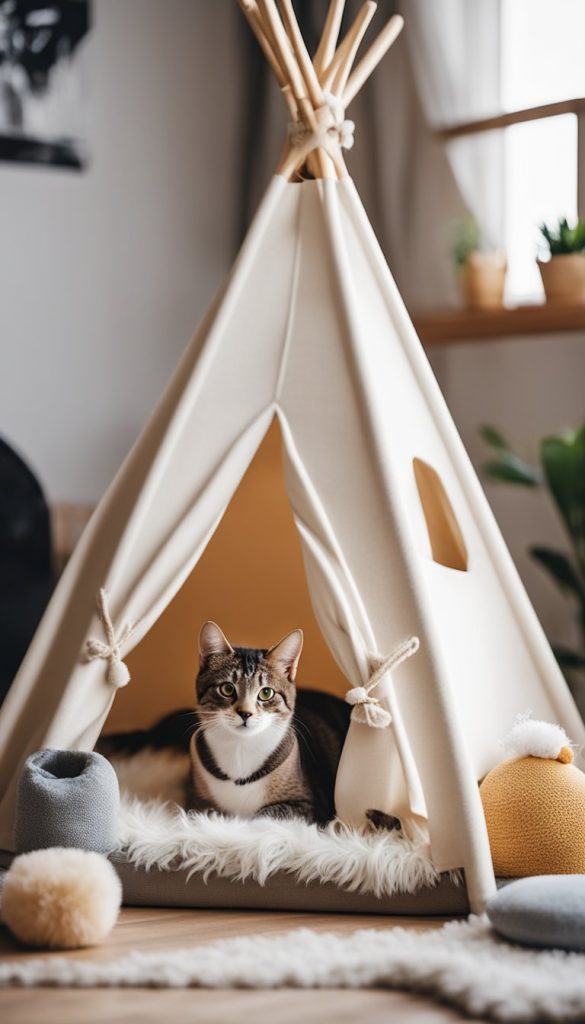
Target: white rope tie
367, 709
117, 673
344, 127
332, 128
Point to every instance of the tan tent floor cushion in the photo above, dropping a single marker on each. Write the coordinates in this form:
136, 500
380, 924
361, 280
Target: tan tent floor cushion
177, 888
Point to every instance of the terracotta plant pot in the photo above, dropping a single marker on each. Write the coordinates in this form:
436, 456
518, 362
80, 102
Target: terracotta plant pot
482, 279
563, 277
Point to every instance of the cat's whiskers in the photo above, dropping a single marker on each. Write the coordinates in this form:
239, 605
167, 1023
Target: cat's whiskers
192, 715
300, 729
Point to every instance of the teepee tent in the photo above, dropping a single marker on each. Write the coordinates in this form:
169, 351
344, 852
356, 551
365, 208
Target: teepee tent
397, 537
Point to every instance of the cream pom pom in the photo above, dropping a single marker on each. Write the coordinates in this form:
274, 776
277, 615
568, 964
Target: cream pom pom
531, 738
61, 898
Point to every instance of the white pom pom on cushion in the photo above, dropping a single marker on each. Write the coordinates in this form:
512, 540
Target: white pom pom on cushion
61, 898
531, 738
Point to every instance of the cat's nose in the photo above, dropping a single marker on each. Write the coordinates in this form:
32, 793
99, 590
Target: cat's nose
245, 715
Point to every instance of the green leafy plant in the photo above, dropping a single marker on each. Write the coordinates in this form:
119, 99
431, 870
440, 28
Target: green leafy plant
561, 470
466, 239
563, 239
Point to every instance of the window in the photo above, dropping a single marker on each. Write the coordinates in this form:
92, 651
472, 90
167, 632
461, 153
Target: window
542, 62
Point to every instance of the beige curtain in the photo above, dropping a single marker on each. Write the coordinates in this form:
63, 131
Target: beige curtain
455, 50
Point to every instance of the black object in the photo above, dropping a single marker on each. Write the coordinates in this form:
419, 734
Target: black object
26, 572
38, 38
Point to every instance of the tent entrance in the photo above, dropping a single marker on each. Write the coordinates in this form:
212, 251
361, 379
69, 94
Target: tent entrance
251, 580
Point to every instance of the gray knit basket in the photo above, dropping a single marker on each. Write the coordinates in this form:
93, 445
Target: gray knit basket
67, 798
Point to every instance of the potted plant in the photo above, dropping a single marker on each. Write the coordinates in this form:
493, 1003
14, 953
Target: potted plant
563, 273
481, 272
561, 471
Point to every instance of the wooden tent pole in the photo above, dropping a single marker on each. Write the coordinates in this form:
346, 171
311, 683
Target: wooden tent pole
282, 47
319, 162
328, 74
328, 42
254, 19
286, 57
250, 9
308, 72
347, 48
372, 58
346, 64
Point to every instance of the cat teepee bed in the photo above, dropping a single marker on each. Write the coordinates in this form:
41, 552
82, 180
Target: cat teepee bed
397, 537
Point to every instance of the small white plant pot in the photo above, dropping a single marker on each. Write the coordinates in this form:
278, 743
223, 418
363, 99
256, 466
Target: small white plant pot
563, 277
482, 279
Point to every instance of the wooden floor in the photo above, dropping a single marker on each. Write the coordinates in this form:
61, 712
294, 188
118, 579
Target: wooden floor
147, 929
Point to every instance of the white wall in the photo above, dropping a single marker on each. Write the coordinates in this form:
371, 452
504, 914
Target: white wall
105, 274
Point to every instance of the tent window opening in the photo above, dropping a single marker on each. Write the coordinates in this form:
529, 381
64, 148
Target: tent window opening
445, 536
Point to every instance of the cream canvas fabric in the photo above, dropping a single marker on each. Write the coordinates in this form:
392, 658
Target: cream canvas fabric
310, 328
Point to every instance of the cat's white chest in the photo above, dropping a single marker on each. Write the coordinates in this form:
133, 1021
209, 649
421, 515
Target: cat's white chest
239, 757
244, 801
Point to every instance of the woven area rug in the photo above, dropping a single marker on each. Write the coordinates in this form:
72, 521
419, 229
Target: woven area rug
463, 964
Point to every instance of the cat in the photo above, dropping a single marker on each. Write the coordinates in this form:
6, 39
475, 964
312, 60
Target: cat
259, 748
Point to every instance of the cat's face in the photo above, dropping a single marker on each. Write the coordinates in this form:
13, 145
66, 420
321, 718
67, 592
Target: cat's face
242, 689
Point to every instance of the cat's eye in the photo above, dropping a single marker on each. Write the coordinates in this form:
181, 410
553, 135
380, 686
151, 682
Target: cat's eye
266, 693
227, 689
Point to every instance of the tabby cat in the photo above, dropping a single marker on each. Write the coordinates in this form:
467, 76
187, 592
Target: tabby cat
259, 747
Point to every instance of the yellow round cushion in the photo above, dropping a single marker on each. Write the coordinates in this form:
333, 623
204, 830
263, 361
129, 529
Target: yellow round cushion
535, 813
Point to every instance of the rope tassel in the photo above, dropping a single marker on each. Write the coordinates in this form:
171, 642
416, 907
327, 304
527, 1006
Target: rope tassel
367, 709
117, 673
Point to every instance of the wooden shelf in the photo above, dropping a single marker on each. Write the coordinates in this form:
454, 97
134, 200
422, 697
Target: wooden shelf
461, 325
506, 120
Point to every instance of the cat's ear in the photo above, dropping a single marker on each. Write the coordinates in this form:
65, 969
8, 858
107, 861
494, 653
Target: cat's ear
284, 656
212, 641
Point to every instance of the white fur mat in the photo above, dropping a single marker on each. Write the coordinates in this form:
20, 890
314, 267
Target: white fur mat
462, 963
155, 832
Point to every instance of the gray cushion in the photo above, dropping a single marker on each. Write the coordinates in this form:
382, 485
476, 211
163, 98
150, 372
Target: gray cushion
546, 910
67, 798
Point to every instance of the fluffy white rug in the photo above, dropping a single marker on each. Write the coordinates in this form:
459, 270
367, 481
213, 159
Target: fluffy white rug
462, 963
155, 832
